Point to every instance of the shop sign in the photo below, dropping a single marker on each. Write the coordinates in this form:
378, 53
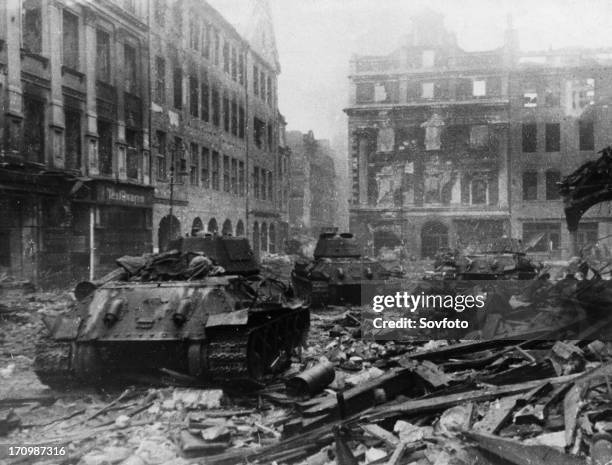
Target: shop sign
123, 195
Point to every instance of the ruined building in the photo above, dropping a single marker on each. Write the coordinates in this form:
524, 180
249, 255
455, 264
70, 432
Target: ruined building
215, 124
313, 193
446, 145
74, 155
126, 123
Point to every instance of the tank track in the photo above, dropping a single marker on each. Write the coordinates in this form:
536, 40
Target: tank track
53, 363
231, 351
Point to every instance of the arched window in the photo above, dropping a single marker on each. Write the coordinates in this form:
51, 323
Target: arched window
213, 228
197, 226
227, 228
169, 229
240, 228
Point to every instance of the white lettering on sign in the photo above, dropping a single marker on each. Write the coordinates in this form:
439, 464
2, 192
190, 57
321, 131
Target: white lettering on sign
123, 196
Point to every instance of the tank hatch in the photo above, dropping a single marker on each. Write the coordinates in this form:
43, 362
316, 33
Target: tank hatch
334, 245
234, 254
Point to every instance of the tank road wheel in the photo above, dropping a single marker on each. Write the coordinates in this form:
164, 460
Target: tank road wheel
197, 359
88, 365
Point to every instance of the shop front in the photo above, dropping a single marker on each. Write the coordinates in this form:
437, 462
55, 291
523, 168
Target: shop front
116, 218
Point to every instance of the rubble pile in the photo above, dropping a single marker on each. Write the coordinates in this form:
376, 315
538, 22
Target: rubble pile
532, 386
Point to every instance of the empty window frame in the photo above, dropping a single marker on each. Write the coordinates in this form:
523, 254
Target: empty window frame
205, 91
479, 88
177, 82
552, 185
160, 80
553, 137
234, 180
586, 138
130, 69
226, 174
70, 42
215, 171
32, 26
161, 170
226, 112
216, 106
205, 165
194, 96
194, 169
530, 185
103, 61
234, 124
530, 137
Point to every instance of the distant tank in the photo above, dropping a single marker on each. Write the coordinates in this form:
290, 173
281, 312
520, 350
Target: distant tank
201, 308
503, 258
339, 274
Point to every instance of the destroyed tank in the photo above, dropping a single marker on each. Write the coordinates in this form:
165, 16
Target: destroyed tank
501, 259
339, 274
200, 309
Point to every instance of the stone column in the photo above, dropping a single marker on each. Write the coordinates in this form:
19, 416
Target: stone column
56, 107
363, 147
91, 133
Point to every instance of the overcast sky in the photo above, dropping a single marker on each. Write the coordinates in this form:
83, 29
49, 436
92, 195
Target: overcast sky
316, 38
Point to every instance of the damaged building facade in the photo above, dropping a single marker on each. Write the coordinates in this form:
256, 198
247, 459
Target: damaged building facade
218, 160
74, 172
128, 123
312, 195
437, 139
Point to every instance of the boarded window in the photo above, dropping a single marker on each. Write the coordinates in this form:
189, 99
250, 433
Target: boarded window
530, 138
32, 26
160, 80
530, 185
70, 44
205, 164
553, 137
552, 187
103, 66
194, 96
585, 135
177, 82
